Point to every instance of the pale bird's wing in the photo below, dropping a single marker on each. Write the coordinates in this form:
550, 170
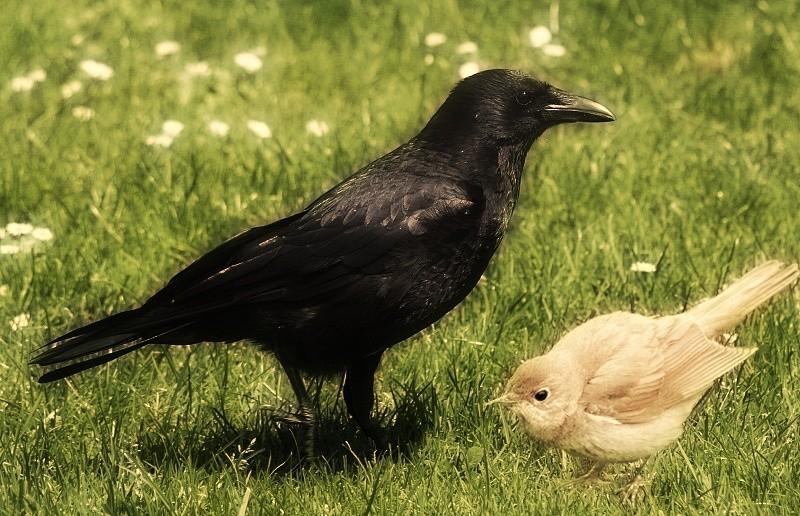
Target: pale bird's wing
627, 386
653, 372
729, 307
692, 361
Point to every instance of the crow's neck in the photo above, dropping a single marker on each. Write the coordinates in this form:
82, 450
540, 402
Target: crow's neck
502, 187
494, 166
510, 161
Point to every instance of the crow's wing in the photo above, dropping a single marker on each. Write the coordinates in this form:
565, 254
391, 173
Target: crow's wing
341, 238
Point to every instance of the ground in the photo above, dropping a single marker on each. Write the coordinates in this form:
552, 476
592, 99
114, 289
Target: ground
698, 176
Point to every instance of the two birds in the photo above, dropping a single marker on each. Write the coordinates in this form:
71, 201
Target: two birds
400, 243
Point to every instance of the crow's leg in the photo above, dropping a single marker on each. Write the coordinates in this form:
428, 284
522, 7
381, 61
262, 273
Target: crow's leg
305, 413
359, 394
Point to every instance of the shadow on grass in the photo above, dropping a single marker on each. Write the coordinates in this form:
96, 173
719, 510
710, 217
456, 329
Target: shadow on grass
267, 442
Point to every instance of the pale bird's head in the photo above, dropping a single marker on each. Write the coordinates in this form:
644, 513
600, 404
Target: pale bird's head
542, 392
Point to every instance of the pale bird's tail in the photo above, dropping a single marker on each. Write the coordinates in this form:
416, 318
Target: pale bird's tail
727, 309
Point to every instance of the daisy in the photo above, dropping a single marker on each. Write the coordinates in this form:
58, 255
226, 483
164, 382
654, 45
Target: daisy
468, 68
9, 249
467, 47
22, 83
70, 88
317, 128
96, 70
159, 140
38, 75
554, 50
434, 39
539, 36
20, 321
19, 228
643, 267
42, 234
248, 61
83, 113
218, 128
167, 48
199, 69
172, 128
260, 129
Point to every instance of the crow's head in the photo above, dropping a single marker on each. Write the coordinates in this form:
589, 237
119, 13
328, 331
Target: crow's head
506, 106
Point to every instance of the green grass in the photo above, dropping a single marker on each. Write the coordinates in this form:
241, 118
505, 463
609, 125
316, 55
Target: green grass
699, 173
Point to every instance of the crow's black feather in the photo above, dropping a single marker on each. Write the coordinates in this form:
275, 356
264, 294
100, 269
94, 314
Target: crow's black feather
374, 260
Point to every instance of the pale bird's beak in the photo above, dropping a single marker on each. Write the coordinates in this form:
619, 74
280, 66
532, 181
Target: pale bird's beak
505, 399
572, 108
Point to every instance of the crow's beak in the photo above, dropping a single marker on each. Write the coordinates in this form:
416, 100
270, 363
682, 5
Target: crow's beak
572, 108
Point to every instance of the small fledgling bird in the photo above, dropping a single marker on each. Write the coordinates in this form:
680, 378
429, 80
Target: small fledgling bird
380, 256
618, 387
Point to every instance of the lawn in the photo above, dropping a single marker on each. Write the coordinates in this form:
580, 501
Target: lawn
699, 175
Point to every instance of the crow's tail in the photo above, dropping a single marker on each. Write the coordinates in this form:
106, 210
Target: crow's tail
722, 312
101, 342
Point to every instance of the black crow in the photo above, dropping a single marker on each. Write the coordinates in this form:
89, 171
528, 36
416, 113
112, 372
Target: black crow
373, 261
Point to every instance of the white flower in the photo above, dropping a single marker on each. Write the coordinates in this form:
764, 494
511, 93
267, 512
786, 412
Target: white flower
70, 88
218, 128
96, 70
317, 128
643, 267
19, 228
554, 50
9, 249
248, 61
38, 75
159, 140
28, 81
167, 48
26, 243
260, 129
428, 59
434, 39
3, 290
172, 128
22, 83
199, 69
468, 68
42, 234
20, 321
539, 36
83, 113
467, 47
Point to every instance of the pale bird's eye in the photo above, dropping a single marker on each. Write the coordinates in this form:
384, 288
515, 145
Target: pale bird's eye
541, 394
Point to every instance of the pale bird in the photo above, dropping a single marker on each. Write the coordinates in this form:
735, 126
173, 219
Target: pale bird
619, 387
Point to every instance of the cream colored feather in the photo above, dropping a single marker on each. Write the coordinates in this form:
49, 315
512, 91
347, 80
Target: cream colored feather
727, 309
620, 386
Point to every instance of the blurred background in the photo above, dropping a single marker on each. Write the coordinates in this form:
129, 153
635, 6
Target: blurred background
134, 135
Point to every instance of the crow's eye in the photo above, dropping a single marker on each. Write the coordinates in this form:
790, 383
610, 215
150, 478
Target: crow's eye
541, 395
524, 97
